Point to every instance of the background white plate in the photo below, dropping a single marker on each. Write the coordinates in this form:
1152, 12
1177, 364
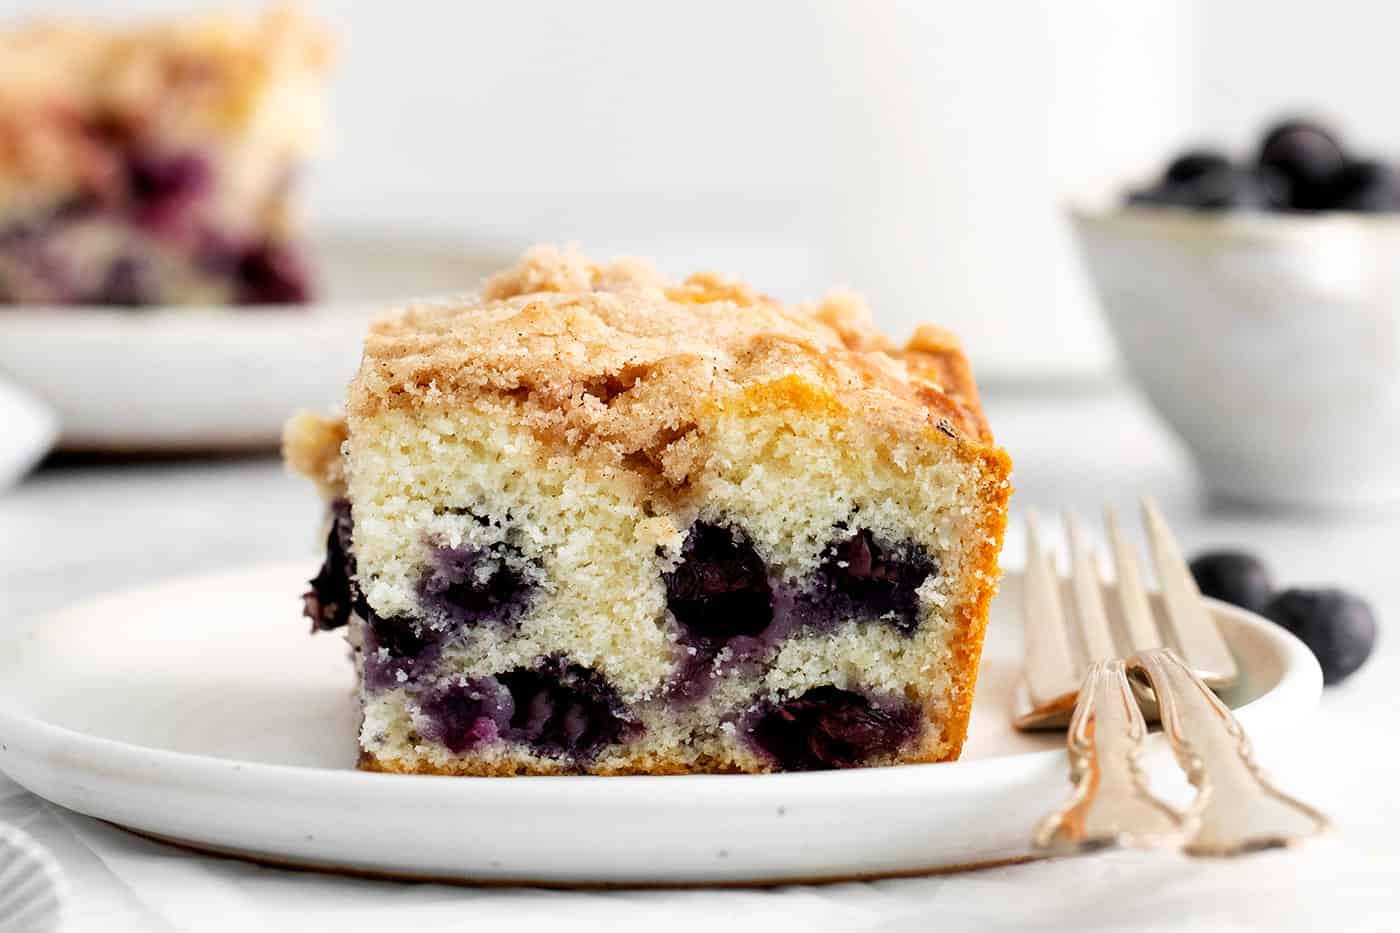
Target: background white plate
201, 711
196, 379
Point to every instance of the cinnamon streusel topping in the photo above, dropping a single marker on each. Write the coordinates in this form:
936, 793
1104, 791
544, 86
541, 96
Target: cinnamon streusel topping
615, 355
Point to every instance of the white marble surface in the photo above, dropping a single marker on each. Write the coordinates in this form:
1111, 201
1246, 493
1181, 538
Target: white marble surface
76, 531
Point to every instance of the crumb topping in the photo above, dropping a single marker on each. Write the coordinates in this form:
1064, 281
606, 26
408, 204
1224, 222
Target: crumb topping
616, 355
311, 446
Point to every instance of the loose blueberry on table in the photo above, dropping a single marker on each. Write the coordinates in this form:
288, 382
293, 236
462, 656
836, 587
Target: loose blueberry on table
1234, 577
1339, 628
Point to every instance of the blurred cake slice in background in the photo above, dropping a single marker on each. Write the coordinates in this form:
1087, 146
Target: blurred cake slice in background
154, 163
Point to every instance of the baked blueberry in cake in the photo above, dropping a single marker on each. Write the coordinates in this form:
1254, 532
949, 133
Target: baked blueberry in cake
155, 163
595, 521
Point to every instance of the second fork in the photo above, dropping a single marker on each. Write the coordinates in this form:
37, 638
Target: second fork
1077, 659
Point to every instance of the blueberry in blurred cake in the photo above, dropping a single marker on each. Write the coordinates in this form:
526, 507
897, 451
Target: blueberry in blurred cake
595, 521
154, 164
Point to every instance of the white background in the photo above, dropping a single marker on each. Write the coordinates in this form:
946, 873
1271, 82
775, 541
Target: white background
915, 150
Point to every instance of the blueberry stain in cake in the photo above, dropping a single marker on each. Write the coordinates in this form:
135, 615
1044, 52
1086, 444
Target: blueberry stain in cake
126, 285
464, 716
398, 649
270, 274
557, 709
399, 636
165, 189
333, 594
470, 585
721, 597
732, 612
695, 674
720, 588
828, 727
566, 710
863, 577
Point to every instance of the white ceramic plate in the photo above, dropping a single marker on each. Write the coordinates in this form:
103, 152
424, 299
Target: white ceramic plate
201, 711
192, 379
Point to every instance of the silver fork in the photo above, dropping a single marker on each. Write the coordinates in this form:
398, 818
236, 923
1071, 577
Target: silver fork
1107, 677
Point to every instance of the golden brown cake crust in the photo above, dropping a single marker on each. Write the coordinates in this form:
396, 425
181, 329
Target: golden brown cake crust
994, 497
616, 360
653, 765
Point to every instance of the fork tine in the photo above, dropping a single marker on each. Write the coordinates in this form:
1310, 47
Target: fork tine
1132, 595
1088, 595
1201, 645
1051, 671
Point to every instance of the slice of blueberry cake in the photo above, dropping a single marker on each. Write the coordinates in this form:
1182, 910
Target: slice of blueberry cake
154, 164
594, 521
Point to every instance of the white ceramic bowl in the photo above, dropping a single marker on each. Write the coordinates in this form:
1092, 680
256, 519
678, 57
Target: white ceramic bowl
1269, 342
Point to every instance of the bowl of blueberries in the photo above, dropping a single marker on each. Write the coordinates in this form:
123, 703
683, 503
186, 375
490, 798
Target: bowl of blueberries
1255, 300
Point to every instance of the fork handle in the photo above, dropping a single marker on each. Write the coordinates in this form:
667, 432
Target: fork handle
1110, 805
1239, 810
